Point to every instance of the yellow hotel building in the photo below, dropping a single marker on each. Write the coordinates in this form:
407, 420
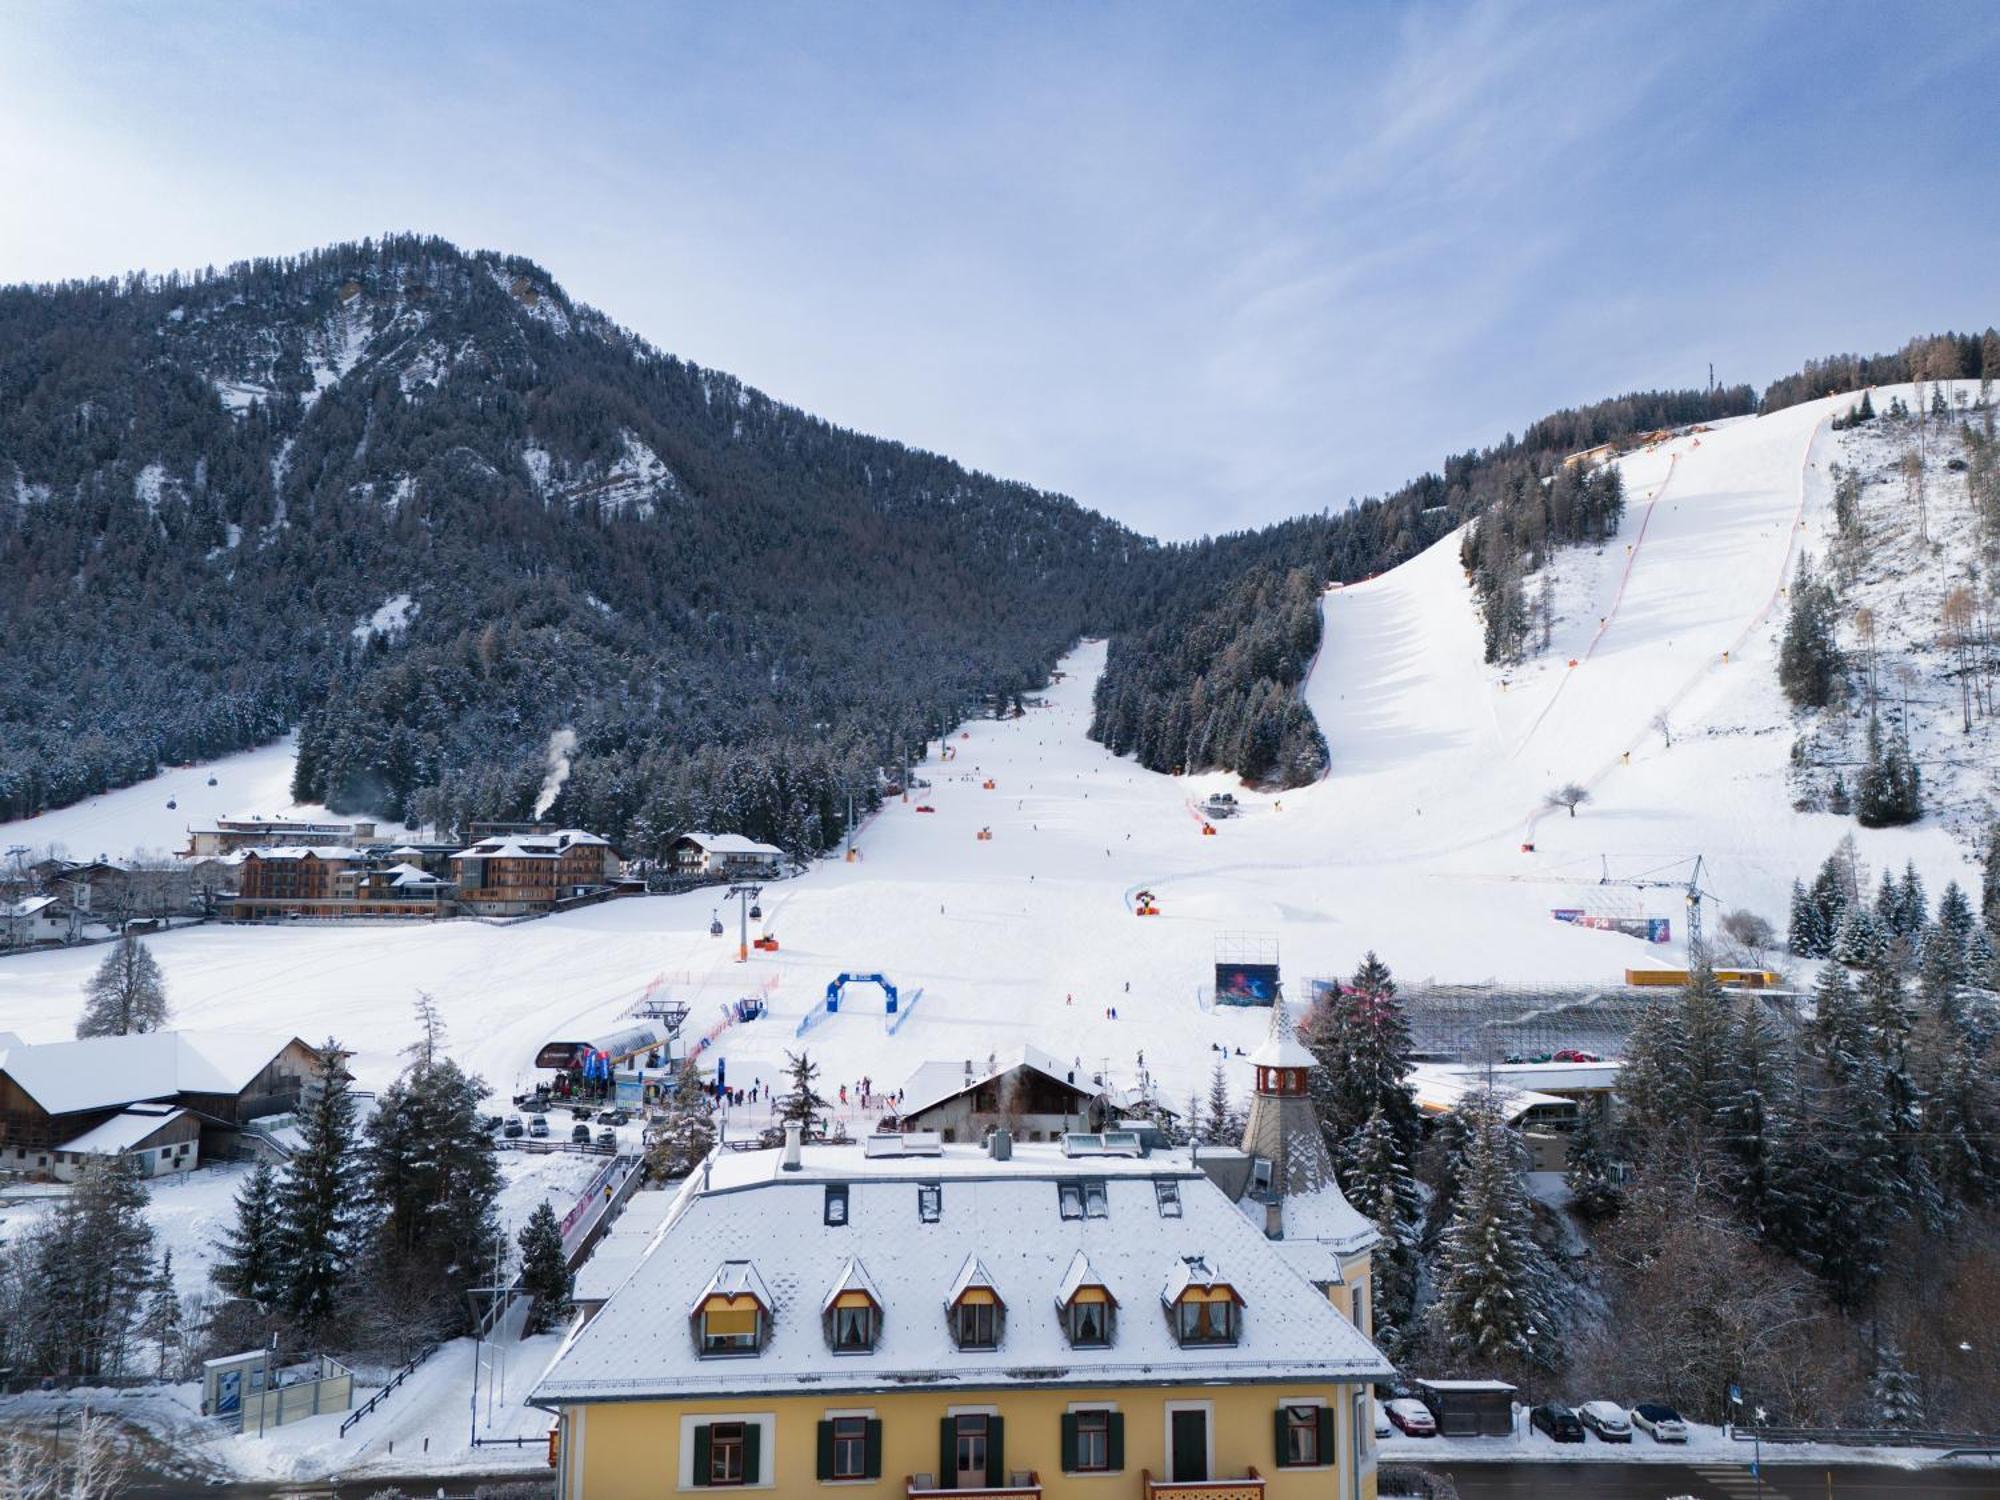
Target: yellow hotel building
1079, 1320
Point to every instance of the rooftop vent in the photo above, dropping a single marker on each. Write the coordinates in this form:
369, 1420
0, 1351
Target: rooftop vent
914, 1143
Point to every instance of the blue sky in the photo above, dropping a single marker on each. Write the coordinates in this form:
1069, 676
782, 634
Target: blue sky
1199, 266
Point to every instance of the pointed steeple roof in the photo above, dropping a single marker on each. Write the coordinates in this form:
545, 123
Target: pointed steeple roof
1281, 1047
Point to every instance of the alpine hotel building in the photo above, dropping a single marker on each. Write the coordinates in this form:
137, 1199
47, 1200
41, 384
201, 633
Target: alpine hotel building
905, 1317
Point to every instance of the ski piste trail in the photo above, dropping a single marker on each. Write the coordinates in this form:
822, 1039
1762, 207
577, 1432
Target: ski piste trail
1411, 846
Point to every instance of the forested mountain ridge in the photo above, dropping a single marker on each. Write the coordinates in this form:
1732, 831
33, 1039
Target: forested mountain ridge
214, 484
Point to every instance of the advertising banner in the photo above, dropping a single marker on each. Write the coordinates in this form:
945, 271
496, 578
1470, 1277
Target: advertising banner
1648, 929
1246, 984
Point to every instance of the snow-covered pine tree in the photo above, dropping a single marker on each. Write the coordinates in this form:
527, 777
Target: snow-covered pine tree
1913, 907
1588, 1171
161, 1324
1810, 665
250, 1263
1496, 1291
1859, 941
1759, 1081
1894, 1396
1377, 1180
1220, 1125
322, 1200
127, 994
545, 1273
434, 1176
1649, 1085
86, 1265
1806, 935
1361, 1038
1838, 1024
686, 1134
802, 1100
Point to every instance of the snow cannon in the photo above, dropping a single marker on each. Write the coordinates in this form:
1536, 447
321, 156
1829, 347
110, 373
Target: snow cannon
985, 835
987, 784
1208, 830
1145, 904
765, 944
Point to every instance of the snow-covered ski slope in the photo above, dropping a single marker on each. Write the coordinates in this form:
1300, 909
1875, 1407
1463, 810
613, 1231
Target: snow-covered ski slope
153, 818
1411, 846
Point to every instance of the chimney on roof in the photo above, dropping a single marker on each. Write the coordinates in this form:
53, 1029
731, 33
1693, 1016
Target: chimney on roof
1000, 1145
794, 1133
1274, 1218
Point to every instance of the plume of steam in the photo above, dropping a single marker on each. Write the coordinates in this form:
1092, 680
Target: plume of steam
561, 744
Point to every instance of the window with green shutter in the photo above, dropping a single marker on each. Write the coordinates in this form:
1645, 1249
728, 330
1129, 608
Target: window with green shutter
850, 1448
1303, 1436
1093, 1442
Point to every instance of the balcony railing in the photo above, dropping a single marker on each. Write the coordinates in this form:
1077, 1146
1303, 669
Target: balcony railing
1249, 1487
1021, 1485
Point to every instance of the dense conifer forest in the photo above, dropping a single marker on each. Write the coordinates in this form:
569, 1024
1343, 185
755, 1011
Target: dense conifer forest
419, 505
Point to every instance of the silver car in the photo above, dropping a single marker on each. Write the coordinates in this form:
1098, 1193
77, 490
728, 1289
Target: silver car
1661, 1420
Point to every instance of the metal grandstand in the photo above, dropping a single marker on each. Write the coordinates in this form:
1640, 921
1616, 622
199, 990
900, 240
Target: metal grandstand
1493, 1021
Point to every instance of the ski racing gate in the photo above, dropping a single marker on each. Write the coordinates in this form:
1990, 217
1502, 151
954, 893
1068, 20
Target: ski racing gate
894, 1009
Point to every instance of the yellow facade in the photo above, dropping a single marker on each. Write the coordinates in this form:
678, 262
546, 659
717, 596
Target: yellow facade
634, 1450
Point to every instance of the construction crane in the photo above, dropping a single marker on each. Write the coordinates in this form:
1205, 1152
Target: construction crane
1691, 891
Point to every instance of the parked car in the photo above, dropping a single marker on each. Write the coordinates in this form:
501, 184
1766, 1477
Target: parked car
1383, 1427
494, 1124
608, 1139
580, 1134
1606, 1419
1661, 1420
1575, 1054
580, 1111
1558, 1421
1411, 1417
539, 1127
616, 1117
513, 1128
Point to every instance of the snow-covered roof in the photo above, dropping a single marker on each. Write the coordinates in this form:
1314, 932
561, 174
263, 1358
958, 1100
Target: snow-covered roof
934, 1082
733, 843
1191, 1271
32, 906
530, 845
853, 1278
1076, 1278
1441, 1088
732, 1279
999, 1223
413, 875
124, 1130
1282, 1047
98, 1072
308, 851
972, 1274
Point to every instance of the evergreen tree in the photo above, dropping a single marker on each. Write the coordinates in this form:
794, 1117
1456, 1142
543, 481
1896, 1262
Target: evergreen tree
1496, 1298
1859, 942
1360, 1037
1806, 935
1913, 908
802, 1101
1810, 665
686, 1133
1220, 1125
1959, 1119
545, 1273
322, 1200
1893, 1393
1377, 1180
86, 1267
161, 1325
249, 1264
1989, 879
434, 1177
127, 994
1891, 790
1592, 1183
1752, 1126
1838, 1024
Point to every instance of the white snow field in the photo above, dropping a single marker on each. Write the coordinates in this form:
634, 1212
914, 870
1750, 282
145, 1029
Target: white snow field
137, 820
1411, 846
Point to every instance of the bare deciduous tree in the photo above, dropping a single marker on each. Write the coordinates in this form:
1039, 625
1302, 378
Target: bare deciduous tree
1570, 794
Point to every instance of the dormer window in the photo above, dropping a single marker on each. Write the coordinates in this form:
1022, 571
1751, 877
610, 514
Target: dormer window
1207, 1322
732, 1314
854, 1325
976, 1313
1089, 1324
732, 1326
852, 1312
1201, 1305
1086, 1306
977, 1325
